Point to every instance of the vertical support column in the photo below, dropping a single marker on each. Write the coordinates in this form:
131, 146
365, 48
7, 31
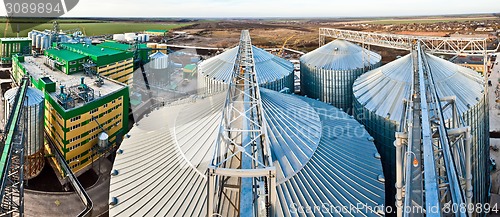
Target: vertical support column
211, 192
399, 174
468, 169
272, 193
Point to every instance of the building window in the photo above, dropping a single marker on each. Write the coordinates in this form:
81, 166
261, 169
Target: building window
81, 61
72, 62
72, 70
94, 110
75, 118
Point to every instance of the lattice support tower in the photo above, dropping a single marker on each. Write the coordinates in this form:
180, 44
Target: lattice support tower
241, 175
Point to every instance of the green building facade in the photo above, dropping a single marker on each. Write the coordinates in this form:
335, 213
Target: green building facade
11, 46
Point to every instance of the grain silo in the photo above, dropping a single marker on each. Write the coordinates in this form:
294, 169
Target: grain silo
273, 72
322, 155
328, 72
378, 104
34, 140
159, 68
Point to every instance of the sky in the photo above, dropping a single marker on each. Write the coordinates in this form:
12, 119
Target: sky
277, 8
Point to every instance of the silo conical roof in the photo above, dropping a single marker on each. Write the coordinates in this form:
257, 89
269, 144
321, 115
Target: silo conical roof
268, 66
158, 55
322, 155
382, 90
33, 96
340, 55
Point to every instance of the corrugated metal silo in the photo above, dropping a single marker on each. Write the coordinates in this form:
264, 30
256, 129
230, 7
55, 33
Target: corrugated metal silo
33, 152
328, 72
378, 104
272, 72
322, 155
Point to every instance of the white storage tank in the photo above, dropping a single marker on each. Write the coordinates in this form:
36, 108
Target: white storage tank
130, 36
119, 37
146, 37
33, 151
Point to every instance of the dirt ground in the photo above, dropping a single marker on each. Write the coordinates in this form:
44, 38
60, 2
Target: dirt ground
301, 35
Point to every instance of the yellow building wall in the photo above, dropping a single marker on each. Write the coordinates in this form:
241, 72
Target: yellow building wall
117, 70
113, 119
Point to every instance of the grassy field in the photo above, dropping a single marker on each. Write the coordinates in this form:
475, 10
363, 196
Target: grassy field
96, 28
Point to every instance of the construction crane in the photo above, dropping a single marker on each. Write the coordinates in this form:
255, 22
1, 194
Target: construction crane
7, 22
241, 162
282, 50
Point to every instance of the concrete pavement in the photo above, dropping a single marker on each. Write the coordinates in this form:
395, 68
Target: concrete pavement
40, 204
494, 108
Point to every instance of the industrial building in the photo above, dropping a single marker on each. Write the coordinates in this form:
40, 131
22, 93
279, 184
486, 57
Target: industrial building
378, 104
274, 73
143, 51
33, 107
11, 46
66, 61
328, 72
85, 116
111, 63
156, 32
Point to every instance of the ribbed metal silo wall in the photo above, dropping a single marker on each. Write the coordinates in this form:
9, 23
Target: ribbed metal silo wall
331, 86
477, 118
280, 84
212, 85
383, 131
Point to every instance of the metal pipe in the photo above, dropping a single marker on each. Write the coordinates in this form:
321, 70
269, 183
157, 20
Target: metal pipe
468, 170
399, 173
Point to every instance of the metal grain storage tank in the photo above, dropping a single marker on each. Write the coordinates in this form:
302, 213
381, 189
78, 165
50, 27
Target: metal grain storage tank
33, 151
321, 158
45, 42
33, 39
328, 72
38, 42
378, 105
273, 72
158, 60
